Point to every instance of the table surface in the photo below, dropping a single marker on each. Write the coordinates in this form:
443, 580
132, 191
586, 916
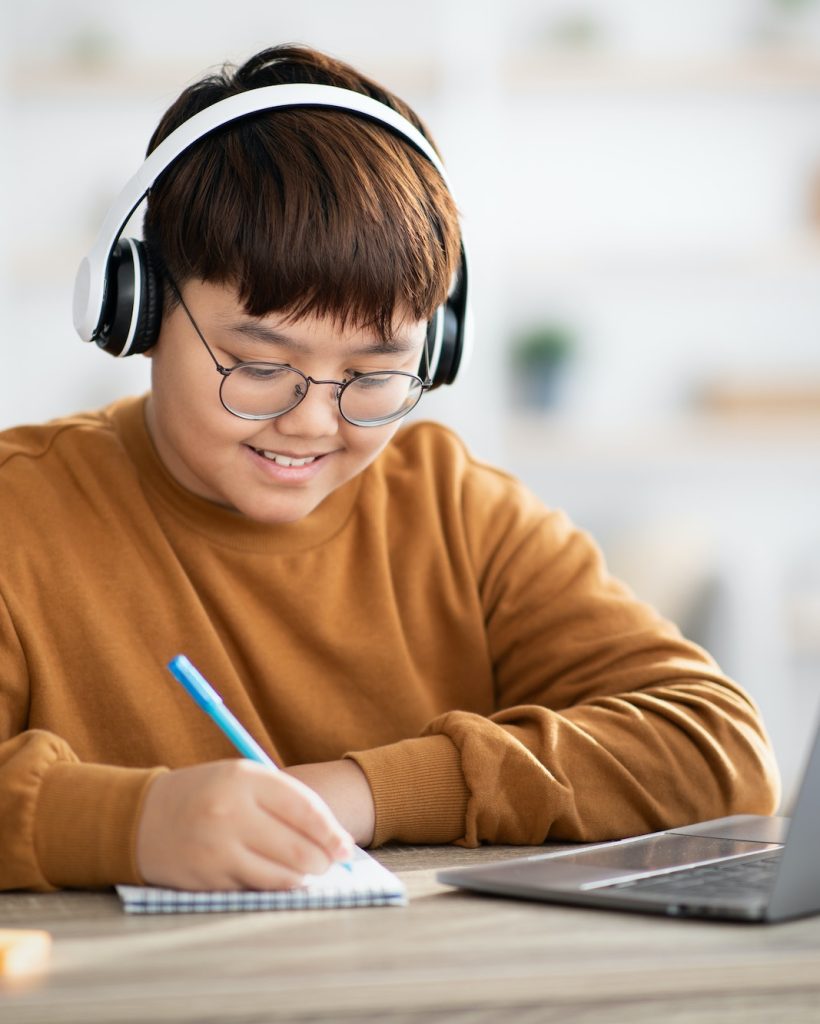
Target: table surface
447, 956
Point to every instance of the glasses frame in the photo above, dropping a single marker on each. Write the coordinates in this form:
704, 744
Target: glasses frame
341, 385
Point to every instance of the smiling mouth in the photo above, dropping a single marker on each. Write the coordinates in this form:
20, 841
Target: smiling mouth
286, 460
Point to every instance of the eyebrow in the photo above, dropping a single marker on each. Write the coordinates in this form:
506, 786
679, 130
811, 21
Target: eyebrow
259, 332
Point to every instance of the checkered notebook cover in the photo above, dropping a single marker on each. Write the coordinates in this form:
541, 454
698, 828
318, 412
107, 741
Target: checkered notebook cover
366, 884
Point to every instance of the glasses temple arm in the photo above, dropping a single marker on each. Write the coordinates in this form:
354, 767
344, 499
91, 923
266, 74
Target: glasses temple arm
223, 370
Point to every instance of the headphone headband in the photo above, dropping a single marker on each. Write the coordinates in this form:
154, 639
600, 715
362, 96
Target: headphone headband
90, 283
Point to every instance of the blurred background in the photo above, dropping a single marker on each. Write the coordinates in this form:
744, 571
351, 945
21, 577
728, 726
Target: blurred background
640, 188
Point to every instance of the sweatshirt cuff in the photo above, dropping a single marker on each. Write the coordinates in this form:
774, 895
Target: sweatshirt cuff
418, 790
87, 817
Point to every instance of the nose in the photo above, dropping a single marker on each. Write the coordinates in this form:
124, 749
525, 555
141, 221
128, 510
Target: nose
317, 415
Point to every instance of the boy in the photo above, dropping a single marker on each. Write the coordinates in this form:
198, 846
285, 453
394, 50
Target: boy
433, 655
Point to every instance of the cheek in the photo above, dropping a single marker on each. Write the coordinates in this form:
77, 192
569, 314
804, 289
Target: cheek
367, 442
182, 388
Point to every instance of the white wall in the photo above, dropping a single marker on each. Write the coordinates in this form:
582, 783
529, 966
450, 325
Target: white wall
644, 170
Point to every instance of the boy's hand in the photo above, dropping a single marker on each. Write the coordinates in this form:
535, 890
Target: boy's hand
235, 825
344, 788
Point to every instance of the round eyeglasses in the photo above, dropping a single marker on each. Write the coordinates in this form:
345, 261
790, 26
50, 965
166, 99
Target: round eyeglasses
264, 391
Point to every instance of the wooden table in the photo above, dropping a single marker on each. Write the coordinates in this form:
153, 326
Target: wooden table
447, 956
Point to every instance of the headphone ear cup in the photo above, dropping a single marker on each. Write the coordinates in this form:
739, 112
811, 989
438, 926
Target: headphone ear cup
133, 300
449, 331
450, 354
150, 314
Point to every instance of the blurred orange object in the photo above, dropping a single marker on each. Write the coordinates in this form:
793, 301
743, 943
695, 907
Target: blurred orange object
23, 952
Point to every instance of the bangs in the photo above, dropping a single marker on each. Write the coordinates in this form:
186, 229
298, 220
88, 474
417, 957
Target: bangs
310, 212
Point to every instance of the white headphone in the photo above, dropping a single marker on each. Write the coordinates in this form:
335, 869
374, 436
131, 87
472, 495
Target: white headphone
117, 294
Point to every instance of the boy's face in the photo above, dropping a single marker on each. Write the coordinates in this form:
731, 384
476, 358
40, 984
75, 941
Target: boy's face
220, 457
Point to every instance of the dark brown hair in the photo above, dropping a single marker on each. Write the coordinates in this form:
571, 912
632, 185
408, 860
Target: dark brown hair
305, 210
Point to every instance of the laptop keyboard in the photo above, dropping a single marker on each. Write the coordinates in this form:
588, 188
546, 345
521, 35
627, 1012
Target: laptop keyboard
726, 879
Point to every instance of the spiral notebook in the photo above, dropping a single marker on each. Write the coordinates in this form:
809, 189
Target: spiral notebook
366, 883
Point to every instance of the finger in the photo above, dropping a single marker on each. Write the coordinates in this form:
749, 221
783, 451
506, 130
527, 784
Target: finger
253, 871
238, 866
278, 843
304, 811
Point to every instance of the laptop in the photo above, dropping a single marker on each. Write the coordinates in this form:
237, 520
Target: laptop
743, 868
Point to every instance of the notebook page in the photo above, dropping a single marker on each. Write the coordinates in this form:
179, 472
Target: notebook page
366, 884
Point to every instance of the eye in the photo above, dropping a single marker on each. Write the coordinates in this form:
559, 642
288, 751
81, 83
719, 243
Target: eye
373, 381
264, 372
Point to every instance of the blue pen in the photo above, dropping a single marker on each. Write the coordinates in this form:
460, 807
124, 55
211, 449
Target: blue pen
213, 705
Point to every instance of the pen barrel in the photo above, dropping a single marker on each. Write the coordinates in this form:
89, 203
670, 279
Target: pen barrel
244, 743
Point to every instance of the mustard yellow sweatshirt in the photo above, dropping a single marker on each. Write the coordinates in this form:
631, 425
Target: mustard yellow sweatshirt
430, 619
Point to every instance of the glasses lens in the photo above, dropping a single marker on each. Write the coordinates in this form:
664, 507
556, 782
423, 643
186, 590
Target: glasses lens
378, 398
262, 390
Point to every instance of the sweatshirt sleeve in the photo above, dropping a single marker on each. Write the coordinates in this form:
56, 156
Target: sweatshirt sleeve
62, 823
608, 723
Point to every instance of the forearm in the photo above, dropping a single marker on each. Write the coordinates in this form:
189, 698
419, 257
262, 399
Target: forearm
63, 823
344, 788
669, 755
613, 767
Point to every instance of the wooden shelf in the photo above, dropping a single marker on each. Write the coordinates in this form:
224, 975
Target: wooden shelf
705, 436
769, 70
528, 71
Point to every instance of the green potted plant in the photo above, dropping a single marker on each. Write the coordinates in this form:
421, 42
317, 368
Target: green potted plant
538, 356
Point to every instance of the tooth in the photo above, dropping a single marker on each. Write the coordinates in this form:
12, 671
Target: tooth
285, 460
